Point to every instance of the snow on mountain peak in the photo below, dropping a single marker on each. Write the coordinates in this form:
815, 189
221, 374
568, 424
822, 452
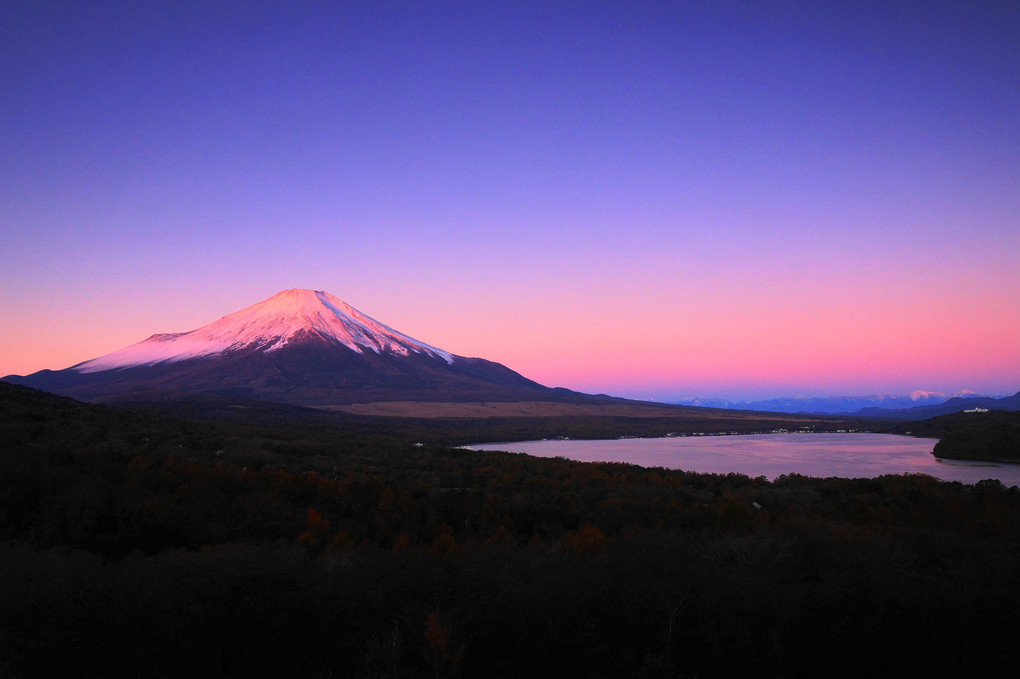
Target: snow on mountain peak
921, 395
270, 325
940, 396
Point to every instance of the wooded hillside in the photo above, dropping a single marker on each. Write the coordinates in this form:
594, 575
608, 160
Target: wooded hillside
135, 544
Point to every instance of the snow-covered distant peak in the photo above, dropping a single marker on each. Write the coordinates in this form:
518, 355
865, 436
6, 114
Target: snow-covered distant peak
270, 325
939, 397
920, 395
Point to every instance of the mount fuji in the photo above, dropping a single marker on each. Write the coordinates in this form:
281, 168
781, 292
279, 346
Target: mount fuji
302, 347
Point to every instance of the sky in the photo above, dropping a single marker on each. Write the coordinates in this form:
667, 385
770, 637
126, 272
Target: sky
648, 199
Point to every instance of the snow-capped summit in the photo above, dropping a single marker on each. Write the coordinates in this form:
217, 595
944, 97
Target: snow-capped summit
288, 316
303, 347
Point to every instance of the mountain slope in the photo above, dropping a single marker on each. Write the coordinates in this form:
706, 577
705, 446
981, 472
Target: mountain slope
299, 346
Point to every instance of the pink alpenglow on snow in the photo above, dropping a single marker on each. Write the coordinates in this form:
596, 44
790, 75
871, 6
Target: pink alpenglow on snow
301, 347
269, 325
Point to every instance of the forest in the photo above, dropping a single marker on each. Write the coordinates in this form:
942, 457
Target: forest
134, 543
988, 435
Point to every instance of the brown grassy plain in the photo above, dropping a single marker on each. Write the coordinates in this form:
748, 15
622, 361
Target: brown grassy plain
486, 409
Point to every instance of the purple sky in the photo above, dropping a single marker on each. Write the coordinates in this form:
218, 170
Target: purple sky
655, 200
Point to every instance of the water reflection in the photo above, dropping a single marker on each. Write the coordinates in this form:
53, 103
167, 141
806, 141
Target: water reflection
771, 455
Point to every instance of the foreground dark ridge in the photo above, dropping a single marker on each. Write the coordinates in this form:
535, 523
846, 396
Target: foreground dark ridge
331, 549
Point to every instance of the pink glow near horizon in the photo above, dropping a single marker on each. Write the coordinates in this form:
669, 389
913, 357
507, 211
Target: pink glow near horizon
672, 348
693, 201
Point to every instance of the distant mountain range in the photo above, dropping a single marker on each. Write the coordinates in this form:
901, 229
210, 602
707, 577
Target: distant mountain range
953, 405
917, 405
302, 347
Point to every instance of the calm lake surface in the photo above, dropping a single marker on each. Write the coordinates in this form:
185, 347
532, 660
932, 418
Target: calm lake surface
771, 455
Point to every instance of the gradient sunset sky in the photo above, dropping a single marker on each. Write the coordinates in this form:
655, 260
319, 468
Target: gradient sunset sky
648, 199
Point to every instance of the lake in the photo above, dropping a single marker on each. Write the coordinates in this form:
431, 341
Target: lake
771, 455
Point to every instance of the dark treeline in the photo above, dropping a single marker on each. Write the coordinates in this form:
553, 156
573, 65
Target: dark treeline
992, 435
138, 545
